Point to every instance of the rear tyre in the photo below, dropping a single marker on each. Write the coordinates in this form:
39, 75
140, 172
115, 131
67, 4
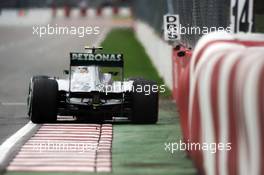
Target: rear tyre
43, 100
30, 88
144, 102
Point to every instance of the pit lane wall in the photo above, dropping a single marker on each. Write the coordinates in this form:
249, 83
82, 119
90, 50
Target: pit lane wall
221, 103
219, 91
158, 50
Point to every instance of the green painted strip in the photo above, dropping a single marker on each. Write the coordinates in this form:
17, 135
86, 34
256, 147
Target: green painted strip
139, 149
137, 62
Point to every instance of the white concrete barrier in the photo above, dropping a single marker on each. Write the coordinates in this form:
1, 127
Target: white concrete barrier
14, 17
226, 104
158, 50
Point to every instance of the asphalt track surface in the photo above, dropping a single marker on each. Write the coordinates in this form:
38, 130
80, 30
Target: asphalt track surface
23, 55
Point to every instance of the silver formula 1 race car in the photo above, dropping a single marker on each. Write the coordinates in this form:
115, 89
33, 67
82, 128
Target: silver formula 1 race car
93, 93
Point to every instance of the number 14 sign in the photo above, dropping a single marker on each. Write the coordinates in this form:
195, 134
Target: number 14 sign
241, 15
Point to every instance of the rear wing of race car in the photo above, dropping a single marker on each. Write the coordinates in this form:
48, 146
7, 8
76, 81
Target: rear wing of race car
96, 59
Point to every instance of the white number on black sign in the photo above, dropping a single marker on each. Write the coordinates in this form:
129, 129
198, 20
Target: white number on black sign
242, 15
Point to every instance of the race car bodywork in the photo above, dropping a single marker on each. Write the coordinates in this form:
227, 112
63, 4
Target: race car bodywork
92, 93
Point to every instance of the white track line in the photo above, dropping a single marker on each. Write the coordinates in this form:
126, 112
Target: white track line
101, 37
12, 104
6, 147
